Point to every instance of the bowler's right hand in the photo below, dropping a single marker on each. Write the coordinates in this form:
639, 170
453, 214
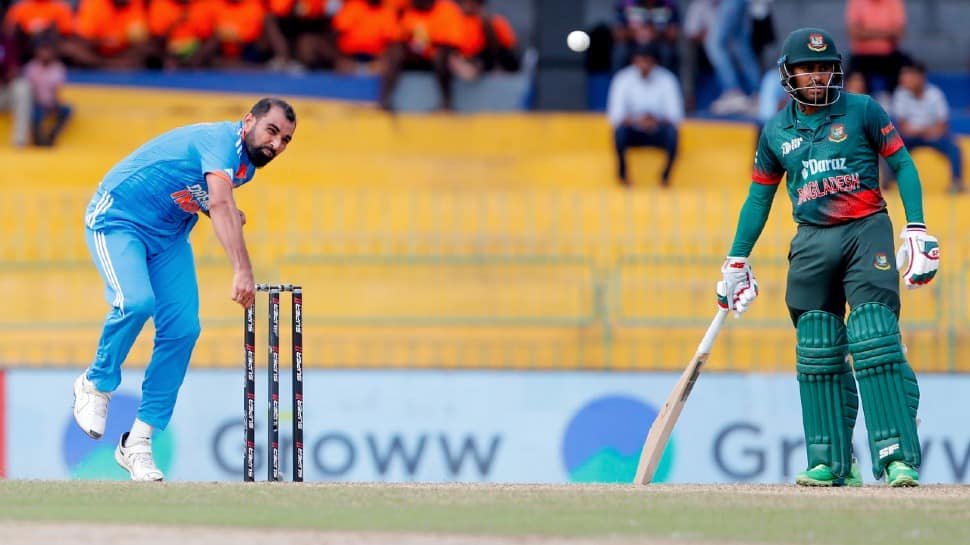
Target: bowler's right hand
244, 288
738, 287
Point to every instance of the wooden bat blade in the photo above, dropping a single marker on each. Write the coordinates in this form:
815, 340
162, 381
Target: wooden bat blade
663, 424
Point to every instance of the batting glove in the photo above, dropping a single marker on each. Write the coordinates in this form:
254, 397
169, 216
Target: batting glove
922, 252
738, 289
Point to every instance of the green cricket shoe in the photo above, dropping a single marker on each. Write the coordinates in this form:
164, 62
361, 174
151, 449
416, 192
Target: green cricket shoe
900, 474
821, 475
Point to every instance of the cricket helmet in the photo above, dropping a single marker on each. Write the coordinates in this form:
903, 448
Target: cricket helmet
811, 45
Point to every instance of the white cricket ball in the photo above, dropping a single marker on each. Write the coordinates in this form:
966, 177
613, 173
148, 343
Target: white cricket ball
577, 40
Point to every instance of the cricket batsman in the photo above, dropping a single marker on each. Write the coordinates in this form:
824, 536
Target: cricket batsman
827, 144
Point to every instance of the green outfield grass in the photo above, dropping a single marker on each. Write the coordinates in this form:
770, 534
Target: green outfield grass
742, 513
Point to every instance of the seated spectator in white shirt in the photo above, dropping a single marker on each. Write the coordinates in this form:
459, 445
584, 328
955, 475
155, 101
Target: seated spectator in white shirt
645, 108
922, 118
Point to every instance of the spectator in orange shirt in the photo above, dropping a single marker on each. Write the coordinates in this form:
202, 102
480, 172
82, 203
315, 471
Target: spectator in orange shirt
31, 20
245, 34
306, 27
109, 34
178, 29
875, 29
487, 42
364, 29
430, 33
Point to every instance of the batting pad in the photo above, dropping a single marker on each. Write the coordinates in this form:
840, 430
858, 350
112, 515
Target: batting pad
890, 394
828, 393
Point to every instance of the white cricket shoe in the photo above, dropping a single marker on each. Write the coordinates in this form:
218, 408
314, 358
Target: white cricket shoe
136, 458
90, 407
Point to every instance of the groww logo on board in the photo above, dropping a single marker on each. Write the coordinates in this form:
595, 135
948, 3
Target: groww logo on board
603, 440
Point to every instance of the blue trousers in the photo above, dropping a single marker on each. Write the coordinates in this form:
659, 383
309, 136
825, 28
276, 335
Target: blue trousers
665, 138
49, 122
731, 33
145, 282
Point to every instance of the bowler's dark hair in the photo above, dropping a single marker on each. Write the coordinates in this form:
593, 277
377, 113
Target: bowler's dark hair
264, 105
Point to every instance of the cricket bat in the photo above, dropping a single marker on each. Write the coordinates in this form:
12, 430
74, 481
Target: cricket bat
663, 424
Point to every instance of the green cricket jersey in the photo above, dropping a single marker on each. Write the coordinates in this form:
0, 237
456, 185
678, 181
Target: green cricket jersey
830, 157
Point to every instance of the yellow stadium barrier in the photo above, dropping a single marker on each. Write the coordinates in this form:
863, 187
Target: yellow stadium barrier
492, 241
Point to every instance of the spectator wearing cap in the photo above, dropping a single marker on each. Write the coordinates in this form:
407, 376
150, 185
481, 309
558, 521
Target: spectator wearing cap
922, 117
645, 108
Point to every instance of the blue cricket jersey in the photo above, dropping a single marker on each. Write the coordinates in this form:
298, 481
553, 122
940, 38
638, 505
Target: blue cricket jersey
160, 188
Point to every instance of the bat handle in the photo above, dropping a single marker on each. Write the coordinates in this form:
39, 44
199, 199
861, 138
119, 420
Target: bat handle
708, 340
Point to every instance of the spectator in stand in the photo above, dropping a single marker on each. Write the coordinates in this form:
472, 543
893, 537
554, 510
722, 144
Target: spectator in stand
875, 29
855, 83
306, 27
14, 91
698, 19
178, 29
430, 33
762, 30
364, 29
245, 34
47, 74
30, 20
645, 108
487, 42
728, 46
647, 21
109, 34
922, 118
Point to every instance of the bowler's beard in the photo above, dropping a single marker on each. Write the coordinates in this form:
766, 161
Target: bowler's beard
257, 154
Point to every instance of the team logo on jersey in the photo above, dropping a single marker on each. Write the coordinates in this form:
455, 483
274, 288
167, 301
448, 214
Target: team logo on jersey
837, 133
881, 262
816, 42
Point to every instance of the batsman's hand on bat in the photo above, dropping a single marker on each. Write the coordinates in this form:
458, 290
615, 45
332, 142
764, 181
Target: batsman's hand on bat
738, 287
244, 288
920, 254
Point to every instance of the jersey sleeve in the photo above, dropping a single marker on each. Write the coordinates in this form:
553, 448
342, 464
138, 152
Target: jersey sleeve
880, 131
217, 154
767, 169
